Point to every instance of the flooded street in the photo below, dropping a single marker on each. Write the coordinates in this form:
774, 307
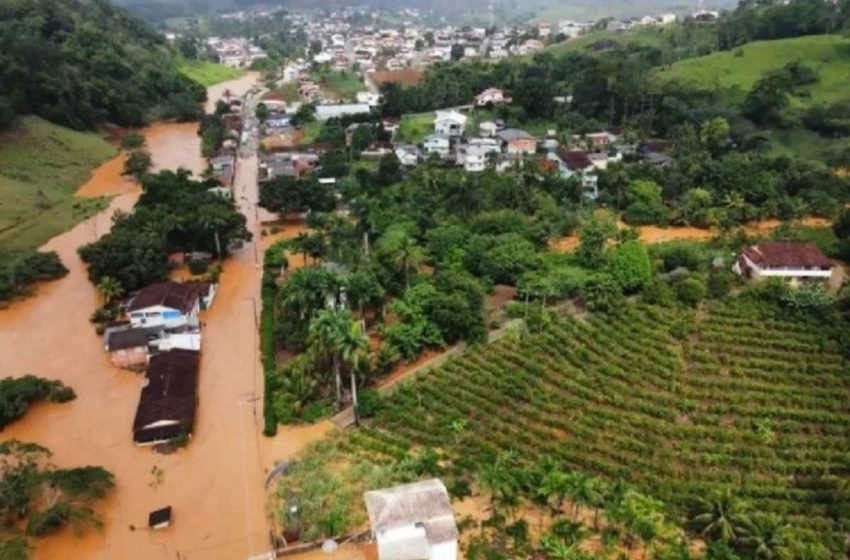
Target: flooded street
215, 485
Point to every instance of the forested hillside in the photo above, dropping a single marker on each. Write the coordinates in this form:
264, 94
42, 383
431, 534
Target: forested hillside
83, 62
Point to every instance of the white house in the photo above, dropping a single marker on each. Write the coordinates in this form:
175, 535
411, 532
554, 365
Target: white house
408, 154
488, 129
437, 144
473, 157
572, 163
795, 262
369, 98
170, 305
450, 123
325, 112
493, 96
413, 521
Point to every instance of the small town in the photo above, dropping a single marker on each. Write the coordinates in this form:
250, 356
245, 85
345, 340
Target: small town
474, 280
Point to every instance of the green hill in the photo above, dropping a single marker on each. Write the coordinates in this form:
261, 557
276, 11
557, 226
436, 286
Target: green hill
84, 62
41, 166
736, 71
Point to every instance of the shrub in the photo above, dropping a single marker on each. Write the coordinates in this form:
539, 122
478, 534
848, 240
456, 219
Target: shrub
198, 266
719, 283
629, 266
657, 292
690, 291
369, 403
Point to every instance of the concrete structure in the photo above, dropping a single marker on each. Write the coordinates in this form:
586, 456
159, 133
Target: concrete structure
413, 522
437, 144
450, 123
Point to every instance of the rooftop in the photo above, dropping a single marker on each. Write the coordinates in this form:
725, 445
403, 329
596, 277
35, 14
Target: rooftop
776, 254
425, 502
173, 295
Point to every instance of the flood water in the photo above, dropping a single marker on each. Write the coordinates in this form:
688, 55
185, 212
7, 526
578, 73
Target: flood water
215, 485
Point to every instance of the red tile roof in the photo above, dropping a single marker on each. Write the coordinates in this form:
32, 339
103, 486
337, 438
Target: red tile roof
169, 394
776, 254
575, 159
167, 294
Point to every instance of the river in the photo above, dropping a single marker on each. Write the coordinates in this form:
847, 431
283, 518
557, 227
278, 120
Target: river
215, 485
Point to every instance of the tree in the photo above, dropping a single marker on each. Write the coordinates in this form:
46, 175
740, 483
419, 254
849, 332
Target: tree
630, 267
457, 52
138, 163
334, 333
17, 394
593, 236
720, 515
497, 478
262, 112
766, 537
401, 248
690, 291
109, 289
645, 205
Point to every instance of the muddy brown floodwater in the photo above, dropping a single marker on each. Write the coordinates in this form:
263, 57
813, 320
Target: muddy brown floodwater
215, 485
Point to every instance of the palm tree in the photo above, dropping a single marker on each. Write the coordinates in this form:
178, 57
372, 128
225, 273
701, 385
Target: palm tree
353, 347
325, 338
408, 257
719, 516
214, 217
109, 289
334, 333
497, 478
766, 537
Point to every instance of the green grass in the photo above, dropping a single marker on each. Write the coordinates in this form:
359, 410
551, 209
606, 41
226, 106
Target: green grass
343, 85
414, 128
312, 131
736, 71
207, 73
41, 166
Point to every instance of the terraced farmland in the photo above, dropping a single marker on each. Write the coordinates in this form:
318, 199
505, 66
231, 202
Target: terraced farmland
674, 402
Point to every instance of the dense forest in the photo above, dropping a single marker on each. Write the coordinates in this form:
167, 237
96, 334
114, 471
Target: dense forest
84, 62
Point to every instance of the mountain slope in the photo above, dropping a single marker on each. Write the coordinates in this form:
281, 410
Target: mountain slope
83, 62
736, 71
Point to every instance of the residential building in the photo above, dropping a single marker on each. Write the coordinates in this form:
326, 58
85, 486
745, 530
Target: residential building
168, 400
450, 123
487, 129
793, 261
129, 347
166, 304
518, 142
408, 155
413, 521
437, 144
473, 158
491, 96
576, 163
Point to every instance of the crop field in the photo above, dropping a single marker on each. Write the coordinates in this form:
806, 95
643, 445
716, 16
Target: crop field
41, 167
675, 402
737, 70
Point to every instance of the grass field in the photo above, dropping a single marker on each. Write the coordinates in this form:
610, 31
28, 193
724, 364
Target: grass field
342, 85
676, 402
207, 73
415, 127
736, 71
41, 166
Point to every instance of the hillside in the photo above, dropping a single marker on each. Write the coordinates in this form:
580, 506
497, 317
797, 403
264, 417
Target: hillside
736, 71
82, 62
41, 166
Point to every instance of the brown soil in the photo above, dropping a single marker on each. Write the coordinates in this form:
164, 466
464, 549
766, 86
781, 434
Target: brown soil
656, 234
406, 77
